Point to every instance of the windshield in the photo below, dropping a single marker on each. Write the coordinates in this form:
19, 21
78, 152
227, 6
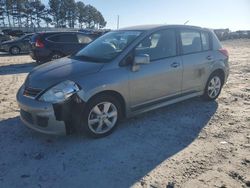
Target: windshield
108, 46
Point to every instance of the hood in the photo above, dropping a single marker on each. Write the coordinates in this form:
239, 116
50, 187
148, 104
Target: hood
49, 74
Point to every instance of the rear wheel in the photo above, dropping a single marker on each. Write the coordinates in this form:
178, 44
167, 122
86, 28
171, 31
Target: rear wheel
101, 116
14, 50
56, 55
213, 87
40, 62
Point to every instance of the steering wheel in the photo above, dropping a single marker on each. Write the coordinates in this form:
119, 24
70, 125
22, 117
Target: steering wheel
107, 48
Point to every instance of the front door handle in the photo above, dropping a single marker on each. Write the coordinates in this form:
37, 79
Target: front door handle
175, 65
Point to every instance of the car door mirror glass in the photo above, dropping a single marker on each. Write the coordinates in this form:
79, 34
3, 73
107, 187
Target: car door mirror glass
141, 59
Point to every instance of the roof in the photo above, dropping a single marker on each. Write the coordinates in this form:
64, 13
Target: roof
151, 27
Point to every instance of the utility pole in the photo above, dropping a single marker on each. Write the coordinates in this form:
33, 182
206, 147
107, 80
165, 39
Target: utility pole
118, 21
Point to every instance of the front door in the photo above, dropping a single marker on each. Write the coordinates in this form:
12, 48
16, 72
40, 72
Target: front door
160, 79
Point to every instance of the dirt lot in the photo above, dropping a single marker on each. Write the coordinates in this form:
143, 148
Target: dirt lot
191, 144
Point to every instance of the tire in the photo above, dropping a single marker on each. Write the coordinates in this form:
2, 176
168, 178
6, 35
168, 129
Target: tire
96, 121
213, 87
55, 55
40, 62
14, 50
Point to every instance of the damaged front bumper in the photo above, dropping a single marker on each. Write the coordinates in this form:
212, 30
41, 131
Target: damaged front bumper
57, 119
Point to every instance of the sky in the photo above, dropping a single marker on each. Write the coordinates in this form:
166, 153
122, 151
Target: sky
232, 14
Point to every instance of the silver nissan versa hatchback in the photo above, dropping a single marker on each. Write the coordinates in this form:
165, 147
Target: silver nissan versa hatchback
121, 74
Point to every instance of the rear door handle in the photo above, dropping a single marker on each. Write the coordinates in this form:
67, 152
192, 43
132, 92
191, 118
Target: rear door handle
209, 57
175, 65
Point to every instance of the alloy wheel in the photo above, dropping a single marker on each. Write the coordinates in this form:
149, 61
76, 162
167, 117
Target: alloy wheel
102, 118
15, 50
214, 87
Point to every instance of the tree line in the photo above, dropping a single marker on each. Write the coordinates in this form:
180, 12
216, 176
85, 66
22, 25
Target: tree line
58, 13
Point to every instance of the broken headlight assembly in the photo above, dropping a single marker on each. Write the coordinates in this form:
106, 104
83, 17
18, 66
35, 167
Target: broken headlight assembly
60, 92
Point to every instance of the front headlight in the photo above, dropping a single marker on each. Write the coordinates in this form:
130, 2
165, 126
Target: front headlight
60, 92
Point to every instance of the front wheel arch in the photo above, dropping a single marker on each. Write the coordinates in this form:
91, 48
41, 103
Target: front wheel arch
114, 94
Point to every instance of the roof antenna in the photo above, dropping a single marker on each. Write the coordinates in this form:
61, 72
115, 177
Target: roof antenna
186, 22
118, 21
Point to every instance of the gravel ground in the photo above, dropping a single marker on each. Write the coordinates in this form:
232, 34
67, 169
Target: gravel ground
190, 144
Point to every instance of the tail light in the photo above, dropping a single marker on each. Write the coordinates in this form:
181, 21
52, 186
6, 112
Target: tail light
224, 52
39, 43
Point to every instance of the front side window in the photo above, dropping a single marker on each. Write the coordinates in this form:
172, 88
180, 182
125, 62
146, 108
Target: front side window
107, 47
190, 41
159, 45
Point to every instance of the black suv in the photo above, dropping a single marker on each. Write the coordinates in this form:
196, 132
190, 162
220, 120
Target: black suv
53, 45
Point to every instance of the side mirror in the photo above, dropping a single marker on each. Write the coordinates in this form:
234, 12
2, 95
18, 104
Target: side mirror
141, 59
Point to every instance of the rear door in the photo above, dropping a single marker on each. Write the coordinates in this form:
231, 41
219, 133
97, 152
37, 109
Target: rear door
160, 79
196, 57
66, 43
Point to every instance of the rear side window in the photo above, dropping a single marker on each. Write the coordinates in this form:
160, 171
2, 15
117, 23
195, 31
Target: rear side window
83, 39
159, 45
205, 41
190, 41
64, 38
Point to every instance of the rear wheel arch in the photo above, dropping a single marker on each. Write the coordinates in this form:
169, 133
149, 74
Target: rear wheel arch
57, 53
15, 46
221, 73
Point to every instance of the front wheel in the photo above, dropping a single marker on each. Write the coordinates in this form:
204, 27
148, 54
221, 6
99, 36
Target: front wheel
101, 116
213, 87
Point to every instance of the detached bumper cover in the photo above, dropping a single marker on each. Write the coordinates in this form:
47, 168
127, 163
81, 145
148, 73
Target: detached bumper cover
39, 116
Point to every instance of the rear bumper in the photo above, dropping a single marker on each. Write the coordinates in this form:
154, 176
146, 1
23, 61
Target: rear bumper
39, 116
226, 71
40, 54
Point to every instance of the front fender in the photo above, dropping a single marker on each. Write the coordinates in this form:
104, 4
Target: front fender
108, 80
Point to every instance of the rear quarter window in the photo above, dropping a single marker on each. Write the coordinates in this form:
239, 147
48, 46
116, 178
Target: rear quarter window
205, 38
